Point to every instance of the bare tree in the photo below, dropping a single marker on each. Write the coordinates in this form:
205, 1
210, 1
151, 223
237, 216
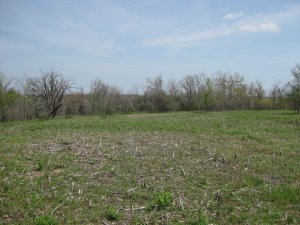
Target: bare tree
115, 100
251, 95
208, 98
173, 90
294, 88
189, 85
276, 93
49, 90
235, 83
156, 94
8, 96
103, 97
221, 83
259, 94
200, 89
76, 103
80, 96
99, 96
4, 83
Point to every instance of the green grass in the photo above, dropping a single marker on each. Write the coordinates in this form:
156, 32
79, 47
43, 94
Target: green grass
112, 213
45, 220
163, 200
191, 167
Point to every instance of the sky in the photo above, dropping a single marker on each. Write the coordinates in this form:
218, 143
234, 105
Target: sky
123, 42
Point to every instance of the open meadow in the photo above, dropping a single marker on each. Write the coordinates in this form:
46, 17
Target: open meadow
238, 167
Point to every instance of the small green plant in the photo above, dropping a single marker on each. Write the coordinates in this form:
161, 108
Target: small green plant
199, 219
202, 182
45, 220
39, 166
254, 181
163, 199
112, 213
283, 194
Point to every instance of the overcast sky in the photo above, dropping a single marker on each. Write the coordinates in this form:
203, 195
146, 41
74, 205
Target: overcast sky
124, 41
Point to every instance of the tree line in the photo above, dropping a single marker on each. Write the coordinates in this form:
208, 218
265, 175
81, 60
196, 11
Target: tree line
51, 94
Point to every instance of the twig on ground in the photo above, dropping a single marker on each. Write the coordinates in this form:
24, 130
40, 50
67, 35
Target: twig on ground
56, 208
134, 209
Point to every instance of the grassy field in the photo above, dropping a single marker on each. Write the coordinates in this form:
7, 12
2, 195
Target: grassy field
175, 168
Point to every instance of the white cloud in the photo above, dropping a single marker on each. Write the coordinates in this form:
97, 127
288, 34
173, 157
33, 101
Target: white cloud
188, 38
192, 38
263, 27
258, 23
233, 16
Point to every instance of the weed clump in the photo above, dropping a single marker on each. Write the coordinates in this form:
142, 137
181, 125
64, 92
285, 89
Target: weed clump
112, 214
45, 220
163, 199
39, 166
199, 219
202, 182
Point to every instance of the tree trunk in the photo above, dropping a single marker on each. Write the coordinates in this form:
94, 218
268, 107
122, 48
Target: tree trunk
3, 117
52, 114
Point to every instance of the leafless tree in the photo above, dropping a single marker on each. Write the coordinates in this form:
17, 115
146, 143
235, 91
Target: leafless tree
259, 93
8, 96
76, 103
276, 93
49, 90
173, 90
208, 98
200, 89
156, 94
231, 91
105, 99
3, 89
100, 96
189, 85
80, 96
221, 86
294, 87
234, 85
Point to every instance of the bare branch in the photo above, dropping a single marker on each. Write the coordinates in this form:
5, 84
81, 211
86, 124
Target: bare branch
49, 91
